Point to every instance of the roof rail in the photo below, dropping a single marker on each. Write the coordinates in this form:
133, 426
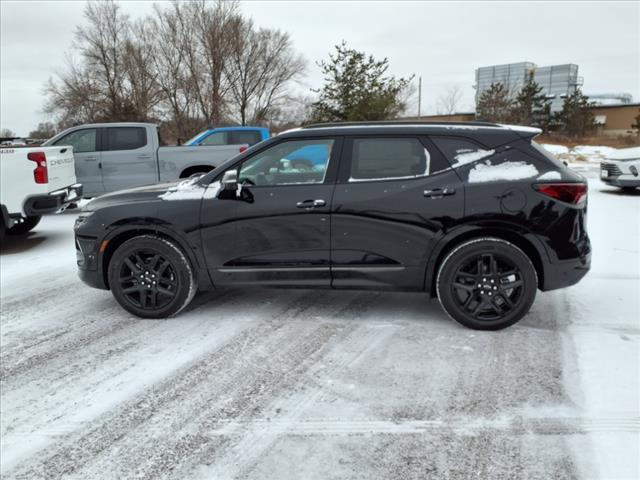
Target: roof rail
397, 122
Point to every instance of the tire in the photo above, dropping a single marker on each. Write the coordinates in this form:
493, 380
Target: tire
491, 298
628, 189
28, 224
151, 277
3, 230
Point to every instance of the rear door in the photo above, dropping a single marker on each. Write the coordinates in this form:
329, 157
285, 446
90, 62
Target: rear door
394, 198
87, 155
128, 158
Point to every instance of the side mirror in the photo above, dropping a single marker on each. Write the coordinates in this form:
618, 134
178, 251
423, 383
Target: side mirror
230, 180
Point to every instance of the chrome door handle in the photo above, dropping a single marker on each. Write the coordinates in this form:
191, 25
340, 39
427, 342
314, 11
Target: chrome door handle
144, 157
311, 203
91, 159
439, 192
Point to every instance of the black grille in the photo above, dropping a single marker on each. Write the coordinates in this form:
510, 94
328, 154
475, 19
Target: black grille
611, 169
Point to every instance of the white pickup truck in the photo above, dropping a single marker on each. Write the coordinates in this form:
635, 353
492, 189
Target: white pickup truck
34, 181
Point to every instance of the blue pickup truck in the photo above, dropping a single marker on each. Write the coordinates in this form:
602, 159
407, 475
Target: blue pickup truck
229, 136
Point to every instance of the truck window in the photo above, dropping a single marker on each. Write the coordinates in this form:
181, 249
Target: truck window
126, 138
218, 138
248, 136
81, 140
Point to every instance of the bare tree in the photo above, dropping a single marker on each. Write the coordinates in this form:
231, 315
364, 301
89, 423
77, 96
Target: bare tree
7, 133
449, 101
261, 66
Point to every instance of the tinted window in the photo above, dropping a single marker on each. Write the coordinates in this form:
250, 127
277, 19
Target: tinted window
81, 140
218, 138
126, 138
459, 151
240, 137
387, 158
292, 162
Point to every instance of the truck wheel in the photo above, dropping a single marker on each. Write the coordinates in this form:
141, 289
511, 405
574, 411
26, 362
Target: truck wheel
25, 226
3, 229
486, 284
151, 277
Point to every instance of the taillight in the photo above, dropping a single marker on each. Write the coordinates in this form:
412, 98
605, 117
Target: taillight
575, 193
40, 174
243, 148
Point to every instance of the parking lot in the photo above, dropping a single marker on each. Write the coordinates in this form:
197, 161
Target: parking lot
320, 384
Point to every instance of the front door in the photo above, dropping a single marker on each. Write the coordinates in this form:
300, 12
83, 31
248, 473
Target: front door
394, 197
276, 227
87, 157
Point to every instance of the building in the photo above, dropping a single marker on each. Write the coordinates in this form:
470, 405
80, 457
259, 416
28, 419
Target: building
611, 120
616, 120
557, 81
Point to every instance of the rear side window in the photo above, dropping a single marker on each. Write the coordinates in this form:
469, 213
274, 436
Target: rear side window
241, 137
80, 140
218, 138
388, 158
126, 138
460, 151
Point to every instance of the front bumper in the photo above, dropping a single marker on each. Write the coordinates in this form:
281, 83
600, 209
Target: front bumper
624, 180
36, 205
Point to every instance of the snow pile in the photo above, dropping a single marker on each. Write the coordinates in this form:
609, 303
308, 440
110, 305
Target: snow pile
469, 156
553, 175
186, 190
486, 172
556, 149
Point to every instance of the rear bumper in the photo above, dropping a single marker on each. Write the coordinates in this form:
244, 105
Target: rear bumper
565, 273
40, 204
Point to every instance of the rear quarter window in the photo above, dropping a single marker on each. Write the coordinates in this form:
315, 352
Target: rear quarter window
126, 138
242, 137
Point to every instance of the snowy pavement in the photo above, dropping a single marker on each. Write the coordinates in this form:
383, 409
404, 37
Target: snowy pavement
277, 384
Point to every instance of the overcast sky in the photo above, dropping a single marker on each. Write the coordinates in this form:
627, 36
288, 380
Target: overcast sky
444, 42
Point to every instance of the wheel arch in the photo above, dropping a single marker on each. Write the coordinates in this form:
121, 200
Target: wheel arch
127, 231
187, 172
519, 238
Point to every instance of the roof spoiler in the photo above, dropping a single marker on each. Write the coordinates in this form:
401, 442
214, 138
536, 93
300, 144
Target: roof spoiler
525, 132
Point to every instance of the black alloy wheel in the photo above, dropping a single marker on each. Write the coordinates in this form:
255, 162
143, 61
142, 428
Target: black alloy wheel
151, 277
487, 284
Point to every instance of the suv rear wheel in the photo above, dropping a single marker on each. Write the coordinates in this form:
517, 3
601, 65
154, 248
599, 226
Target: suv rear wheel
486, 284
151, 277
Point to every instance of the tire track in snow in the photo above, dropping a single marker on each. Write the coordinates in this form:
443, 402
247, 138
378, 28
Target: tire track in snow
81, 448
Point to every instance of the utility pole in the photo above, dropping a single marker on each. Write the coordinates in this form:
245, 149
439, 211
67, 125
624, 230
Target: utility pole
419, 95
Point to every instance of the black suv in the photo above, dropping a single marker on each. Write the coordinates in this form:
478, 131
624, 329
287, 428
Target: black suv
477, 214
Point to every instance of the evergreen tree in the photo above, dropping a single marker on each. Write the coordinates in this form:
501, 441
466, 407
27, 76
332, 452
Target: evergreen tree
576, 118
495, 104
532, 107
357, 88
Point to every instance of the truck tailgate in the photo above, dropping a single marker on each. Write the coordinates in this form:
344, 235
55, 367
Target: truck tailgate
60, 166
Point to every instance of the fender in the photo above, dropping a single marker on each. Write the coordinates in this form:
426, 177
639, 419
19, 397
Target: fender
505, 229
190, 246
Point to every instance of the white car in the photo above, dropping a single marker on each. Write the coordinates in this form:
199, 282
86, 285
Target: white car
622, 168
34, 181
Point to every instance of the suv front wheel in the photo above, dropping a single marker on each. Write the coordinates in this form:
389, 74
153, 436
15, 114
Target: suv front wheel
151, 277
486, 284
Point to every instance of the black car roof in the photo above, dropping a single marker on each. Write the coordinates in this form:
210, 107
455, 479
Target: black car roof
489, 134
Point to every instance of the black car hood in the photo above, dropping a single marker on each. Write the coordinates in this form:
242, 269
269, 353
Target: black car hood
184, 190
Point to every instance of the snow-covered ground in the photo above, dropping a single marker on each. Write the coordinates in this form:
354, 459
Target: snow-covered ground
320, 384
